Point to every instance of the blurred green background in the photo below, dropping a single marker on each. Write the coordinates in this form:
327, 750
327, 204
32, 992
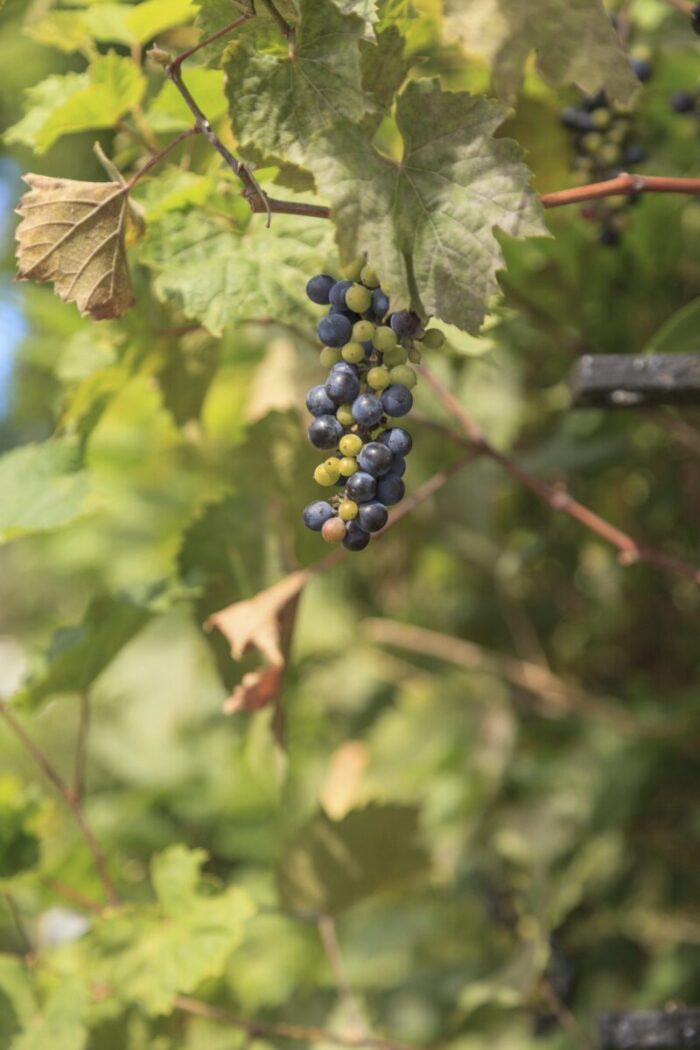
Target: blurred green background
560, 830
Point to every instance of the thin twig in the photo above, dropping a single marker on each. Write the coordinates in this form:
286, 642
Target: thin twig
629, 549
69, 798
625, 185
73, 895
293, 1032
157, 157
566, 1017
81, 747
331, 946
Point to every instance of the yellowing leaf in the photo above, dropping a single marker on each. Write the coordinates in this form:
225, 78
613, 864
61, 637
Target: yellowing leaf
72, 233
573, 39
63, 105
136, 23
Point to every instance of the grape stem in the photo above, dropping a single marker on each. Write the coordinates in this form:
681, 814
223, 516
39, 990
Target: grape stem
622, 185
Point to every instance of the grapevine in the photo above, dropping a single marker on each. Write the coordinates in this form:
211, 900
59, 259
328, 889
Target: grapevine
369, 351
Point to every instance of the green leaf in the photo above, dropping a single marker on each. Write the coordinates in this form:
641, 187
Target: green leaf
17, 997
219, 277
42, 488
136, 23
281, 96
65, 30
173, 190
680, 334
79, 655
59, 1024
384, 68
64, 105
574, 41
427, 222
167, 111
330, 865
19, 842
152, 953
215, 15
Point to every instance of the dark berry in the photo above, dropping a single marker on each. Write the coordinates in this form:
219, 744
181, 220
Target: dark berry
318, 401
375, 458
372, 516
335, 330
325, 432
361, 487
390, 489
319, 287
356, 539
316, 514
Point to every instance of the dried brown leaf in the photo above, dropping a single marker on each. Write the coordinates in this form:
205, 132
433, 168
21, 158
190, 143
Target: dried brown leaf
265, 623
72, 233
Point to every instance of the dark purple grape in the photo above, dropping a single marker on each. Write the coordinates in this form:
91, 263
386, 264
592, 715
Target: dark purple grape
397, 400
375, 458
335, 330
390, 489
336, 295
315, 514
406, 324
342, 387
683, 102
642, 69
372, 516
325, 432
356, 539
398, 465
319, 287
398, 440
577, 120
634, 154
380, 303
361, 487
367, 410
318, 401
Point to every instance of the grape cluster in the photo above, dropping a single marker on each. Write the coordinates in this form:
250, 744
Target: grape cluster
604, 144
368, 351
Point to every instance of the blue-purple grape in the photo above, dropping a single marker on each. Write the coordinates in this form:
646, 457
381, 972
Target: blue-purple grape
397, 400
390, 490
342, 387
325, 432
318, 288
375, 458
318, 402
335, 330
372, 516
398, 440
361, 487
336, 295
315, 514
367, 410
356, 539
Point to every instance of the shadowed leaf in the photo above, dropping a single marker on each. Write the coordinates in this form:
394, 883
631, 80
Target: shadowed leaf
72, 234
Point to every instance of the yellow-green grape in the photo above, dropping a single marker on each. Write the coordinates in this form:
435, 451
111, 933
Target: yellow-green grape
414, 355
352, 271
369, 277
592, 141
330, 355
351, 444
348, 510
601, 117
618, 133
358, 298
362, 331
344, 415
404, 376
332, 465
378, 377
609, 153
433, 339
348, 466
322, 476
397, 356
384, 339
353, 353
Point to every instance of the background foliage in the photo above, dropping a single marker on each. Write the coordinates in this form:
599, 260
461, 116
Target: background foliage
500, 855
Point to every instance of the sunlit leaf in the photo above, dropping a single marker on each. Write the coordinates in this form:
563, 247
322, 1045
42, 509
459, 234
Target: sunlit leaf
42, 488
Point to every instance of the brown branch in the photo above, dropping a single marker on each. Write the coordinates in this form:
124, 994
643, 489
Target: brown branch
293, 1032
331, 946
68, 796
81, 747
629, 549
623, 185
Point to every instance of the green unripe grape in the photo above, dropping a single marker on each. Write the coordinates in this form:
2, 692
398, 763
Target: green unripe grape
404, 376
358, 298
362, 331
397, 356
609, 154
433, 339
352, 271
353, 353
344, 415
369, 277
332, 466
601, 117
333, 530
322, 476
384, 339
592, 141
330, 355
351, 444
414, 355
348, 510
618, 133
348, 466
378, 377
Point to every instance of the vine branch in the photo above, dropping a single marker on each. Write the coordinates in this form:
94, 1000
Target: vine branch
556, 497
625, 185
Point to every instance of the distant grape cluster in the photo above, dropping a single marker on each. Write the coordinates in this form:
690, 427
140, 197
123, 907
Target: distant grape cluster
687, 103
604, 144
368, 351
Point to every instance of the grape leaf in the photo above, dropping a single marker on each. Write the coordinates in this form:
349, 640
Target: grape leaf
167, 112
280, 96
59, 1024
427, 222
63, 105
109, 23
79, 655
219, 276
330, 865
72, 233
384, 68
19, 842
151, 953
42, 488
574, 41
17, 995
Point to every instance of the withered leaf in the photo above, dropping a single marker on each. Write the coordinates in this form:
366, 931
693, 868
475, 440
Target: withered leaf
265, 623
72, 233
